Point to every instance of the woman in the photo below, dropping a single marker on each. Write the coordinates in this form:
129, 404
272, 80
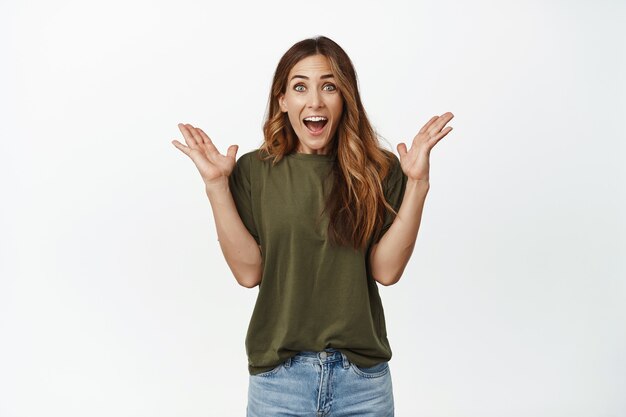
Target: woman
316, 217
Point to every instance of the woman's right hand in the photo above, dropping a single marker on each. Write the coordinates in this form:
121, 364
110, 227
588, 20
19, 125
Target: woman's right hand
213, 166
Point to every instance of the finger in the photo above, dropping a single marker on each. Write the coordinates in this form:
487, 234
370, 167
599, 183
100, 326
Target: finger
189, 139
401, 149
445, 118
443, 133
211, 148
428, 124
232, 151
182, 147
195, 134
204, 136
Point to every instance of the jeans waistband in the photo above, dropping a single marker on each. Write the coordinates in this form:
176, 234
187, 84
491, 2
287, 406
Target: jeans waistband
327, 355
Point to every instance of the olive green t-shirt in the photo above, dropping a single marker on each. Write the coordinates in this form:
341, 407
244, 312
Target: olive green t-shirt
313, 295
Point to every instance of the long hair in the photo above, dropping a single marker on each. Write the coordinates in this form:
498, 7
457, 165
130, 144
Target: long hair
357, 209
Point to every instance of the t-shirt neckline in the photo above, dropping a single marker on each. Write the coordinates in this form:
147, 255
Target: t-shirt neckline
312, 156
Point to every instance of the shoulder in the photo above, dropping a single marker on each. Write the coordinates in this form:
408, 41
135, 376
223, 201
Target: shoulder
246, 161
245, 157
255, 156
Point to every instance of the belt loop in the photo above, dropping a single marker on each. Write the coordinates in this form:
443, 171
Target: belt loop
288, 362
346, 362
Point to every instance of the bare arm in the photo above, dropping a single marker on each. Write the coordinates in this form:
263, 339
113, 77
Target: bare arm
390, 255
240, 250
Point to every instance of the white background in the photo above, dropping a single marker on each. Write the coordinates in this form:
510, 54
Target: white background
115, 299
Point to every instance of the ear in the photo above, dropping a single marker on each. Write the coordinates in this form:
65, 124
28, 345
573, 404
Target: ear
282, 104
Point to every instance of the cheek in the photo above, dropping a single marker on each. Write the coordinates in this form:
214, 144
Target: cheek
295, 122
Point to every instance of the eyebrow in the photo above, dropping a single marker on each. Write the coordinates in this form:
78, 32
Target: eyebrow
306, 78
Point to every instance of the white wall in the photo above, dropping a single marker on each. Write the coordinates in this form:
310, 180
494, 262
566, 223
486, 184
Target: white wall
115, 299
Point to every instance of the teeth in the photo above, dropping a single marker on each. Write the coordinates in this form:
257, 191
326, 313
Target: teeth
315, 118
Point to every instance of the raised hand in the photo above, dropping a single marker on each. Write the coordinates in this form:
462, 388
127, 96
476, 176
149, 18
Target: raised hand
213, 166
415, 162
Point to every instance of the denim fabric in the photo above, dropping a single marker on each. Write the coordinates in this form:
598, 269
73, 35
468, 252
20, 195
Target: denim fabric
320, 384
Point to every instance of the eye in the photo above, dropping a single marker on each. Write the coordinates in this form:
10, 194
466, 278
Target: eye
298, 85
333, 88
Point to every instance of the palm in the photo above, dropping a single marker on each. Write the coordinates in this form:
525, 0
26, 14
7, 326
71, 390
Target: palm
212, 165
416, 161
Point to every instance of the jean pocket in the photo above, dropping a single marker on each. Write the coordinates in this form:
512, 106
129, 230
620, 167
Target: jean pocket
270, 372
375, 371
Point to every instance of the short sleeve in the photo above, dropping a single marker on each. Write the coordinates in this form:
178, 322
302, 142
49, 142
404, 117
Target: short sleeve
240, 186
394, 186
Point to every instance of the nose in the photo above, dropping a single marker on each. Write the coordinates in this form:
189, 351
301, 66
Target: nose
315, 99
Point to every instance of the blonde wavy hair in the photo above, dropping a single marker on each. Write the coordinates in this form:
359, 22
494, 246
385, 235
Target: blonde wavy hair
357, 209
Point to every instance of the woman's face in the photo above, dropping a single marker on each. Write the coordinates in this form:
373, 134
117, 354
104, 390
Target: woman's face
312, 91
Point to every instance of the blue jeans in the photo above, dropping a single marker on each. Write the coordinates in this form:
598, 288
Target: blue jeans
318, 384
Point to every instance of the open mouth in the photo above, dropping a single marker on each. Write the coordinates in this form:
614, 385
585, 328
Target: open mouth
315, 125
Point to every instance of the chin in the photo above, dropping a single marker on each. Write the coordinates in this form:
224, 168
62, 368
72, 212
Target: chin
316, 146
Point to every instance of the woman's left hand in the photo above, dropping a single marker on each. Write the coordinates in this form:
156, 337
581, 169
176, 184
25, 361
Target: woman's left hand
415, 161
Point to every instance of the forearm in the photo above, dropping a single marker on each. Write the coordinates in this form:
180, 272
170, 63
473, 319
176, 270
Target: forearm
390, 255
240, 250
